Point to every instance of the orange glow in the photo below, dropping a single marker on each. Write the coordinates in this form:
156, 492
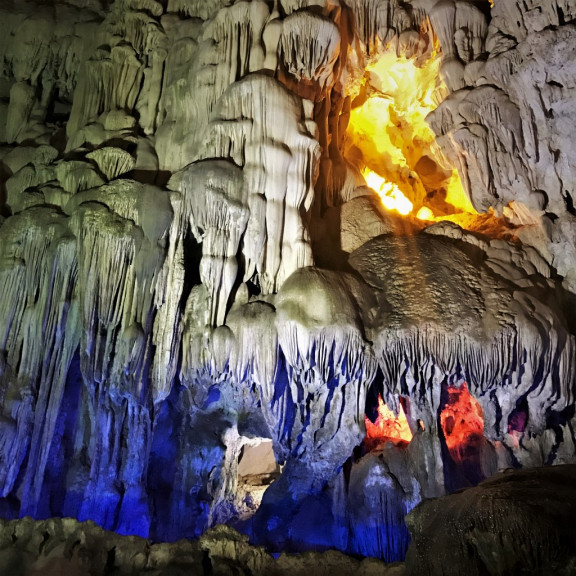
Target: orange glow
387, 428
462, 421
389, 136
456, 195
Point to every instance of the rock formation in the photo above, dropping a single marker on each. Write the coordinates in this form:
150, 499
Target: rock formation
64, 545
488, 529
517, 522
194, 260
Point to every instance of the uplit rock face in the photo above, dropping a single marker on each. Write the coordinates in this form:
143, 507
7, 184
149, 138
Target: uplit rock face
506, 125
191, 263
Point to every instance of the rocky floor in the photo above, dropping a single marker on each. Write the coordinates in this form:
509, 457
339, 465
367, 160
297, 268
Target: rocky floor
516, 523
63, 546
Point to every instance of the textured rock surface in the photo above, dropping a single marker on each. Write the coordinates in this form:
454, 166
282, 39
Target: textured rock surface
191, 262
506, 125
58, 546
519, 522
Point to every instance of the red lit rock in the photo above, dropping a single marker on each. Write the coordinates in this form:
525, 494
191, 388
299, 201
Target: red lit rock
387, 428
462, 422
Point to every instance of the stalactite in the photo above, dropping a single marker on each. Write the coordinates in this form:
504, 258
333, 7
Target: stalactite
279, 164
309, 46
39, 271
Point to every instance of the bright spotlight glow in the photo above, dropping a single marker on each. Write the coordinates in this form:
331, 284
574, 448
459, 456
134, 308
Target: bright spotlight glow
425, 214
391, 196
396, 144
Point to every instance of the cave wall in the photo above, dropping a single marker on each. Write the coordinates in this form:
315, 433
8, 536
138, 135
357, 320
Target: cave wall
181, 276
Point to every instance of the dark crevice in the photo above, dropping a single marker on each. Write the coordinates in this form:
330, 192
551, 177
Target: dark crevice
518, 418
375, 390
207, 563
569, 203
192, 256
110, 567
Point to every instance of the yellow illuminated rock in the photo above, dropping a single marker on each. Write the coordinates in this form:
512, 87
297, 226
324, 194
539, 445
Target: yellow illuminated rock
396, 143
391, 196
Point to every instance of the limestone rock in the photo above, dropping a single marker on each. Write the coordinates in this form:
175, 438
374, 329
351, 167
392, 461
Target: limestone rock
510, 148
27, 547
112, 162
192, 266
309, 47
496, 527
470, 323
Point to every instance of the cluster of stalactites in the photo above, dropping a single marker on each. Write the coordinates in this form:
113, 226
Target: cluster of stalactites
38, 273
501, 374
468, 322
87, 277
251, 202
315, 347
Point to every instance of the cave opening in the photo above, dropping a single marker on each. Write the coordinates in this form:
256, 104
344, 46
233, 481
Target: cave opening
257, 470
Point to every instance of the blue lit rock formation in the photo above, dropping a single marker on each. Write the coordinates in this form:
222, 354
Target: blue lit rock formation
193, 270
